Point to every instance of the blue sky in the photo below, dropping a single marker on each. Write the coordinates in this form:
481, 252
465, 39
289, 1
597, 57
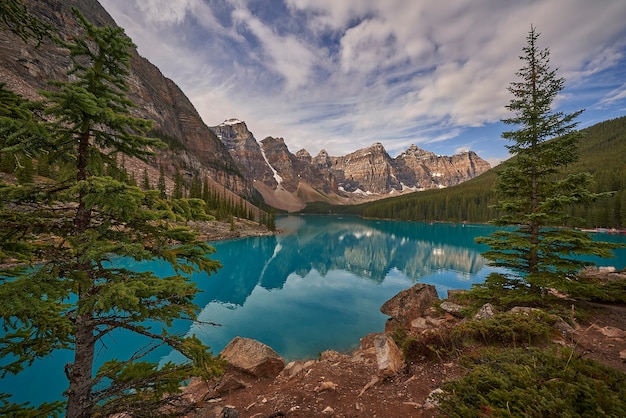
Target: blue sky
341, 75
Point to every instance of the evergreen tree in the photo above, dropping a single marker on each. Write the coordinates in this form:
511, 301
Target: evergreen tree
25, 172
7, 163
146, 180
205, 190
43, 165
161, 183
271, 220
195, 189
533, 195
179, 191
72, 229
20, 122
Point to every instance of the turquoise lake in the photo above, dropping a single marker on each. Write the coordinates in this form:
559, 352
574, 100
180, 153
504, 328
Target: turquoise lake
316, 286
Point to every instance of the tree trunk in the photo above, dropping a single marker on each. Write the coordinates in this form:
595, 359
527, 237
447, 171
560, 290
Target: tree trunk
79, 402
80, 373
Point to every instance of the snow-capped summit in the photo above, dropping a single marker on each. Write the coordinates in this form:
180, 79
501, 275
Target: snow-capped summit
231, 121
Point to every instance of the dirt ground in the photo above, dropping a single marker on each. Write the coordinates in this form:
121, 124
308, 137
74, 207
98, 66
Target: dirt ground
345, 385
337, 385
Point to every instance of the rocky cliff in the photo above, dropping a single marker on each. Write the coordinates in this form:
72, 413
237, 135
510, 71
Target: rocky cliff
366, 174
193, 147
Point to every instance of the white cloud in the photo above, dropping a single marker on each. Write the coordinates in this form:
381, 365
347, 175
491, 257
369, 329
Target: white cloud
286, 55
341, 75
165, 11
614, 96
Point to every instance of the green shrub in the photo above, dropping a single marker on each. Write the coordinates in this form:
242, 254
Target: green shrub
609, 292
508, 329
433, 345
534, 383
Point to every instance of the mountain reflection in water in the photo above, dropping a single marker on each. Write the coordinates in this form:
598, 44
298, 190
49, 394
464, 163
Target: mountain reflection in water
320, 283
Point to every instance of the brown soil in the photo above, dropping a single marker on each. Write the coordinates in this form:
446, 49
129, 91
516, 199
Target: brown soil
345, 385
603, 336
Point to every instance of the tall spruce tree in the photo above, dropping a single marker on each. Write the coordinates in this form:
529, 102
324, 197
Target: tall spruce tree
58, 285
533, 195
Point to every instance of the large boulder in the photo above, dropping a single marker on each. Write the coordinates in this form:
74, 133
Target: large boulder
408, 305
253, 357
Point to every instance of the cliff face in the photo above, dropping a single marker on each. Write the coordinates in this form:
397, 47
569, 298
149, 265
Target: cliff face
245, 150
194, 148
420, 169
369, 171
366, 174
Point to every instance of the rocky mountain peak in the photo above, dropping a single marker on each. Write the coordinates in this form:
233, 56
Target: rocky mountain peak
231, 121
416, 152
271, 142
234, 134
304, 155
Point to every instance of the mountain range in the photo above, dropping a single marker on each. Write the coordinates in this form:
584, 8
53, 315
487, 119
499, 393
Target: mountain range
287, 181
229, 155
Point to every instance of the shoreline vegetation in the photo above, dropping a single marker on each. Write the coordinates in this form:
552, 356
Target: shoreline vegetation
224, 230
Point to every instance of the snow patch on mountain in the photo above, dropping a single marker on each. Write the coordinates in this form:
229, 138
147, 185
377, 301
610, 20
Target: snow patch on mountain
277, 176
230, 122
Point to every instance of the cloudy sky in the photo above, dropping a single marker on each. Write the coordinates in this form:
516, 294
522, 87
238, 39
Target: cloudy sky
343, 74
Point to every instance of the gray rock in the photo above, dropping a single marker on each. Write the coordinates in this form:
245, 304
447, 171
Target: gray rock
419, 323
485, 312
565, 329
230, 412
295, 367
227, 385
523, 310
431, 400
611, 277
388, 356
451, 307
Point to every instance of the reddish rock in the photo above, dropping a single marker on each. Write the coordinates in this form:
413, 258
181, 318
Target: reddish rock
409, 304
253, 357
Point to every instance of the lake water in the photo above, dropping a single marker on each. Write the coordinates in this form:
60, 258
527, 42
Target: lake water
318, 285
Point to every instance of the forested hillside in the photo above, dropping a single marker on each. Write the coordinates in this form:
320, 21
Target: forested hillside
602, 153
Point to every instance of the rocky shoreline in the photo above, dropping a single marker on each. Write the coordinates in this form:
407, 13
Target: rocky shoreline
374, 380
223, 230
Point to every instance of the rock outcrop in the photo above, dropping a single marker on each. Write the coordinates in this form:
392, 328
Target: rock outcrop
420, 169
366, 171
245, 150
